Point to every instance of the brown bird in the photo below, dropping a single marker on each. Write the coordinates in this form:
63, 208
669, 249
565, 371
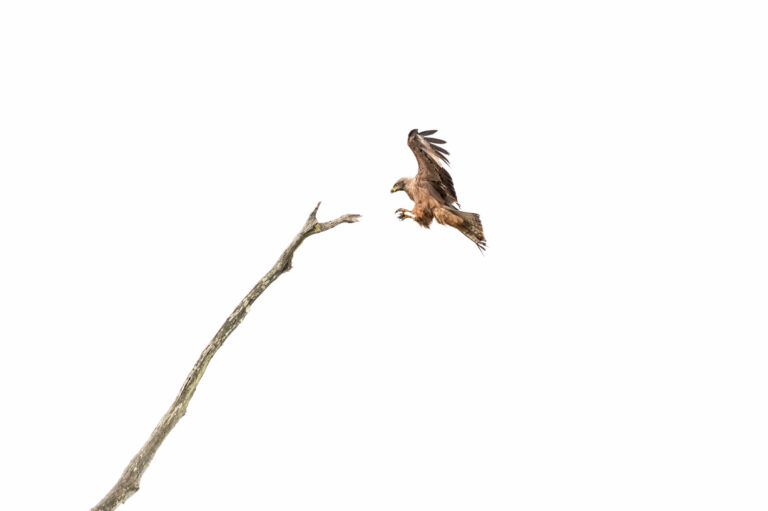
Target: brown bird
432, 190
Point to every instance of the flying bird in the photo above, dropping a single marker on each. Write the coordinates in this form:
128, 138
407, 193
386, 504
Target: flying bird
432, 190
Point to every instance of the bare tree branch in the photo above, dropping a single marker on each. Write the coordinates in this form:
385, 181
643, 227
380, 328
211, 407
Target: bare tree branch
128, 484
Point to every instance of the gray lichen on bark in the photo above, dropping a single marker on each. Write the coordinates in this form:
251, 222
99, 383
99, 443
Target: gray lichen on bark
128, 484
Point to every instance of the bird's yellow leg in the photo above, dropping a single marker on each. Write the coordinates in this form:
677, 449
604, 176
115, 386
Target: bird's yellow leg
401, 214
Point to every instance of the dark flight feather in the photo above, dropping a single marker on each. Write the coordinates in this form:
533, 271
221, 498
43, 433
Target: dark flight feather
431, 158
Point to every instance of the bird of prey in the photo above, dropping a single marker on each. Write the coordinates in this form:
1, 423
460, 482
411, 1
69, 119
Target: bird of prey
432, 190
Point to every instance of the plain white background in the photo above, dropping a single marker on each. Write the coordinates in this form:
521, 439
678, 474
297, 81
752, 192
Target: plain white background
608, 352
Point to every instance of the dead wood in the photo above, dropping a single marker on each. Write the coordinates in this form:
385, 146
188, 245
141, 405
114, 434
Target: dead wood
128, 484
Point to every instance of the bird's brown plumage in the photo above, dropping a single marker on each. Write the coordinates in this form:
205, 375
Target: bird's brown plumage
432, 190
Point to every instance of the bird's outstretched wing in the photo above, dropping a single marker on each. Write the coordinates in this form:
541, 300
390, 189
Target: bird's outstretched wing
432, 160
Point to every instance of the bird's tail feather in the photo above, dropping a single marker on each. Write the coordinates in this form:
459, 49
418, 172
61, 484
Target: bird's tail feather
472, 228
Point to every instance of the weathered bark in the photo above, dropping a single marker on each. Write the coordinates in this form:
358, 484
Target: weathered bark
128, 484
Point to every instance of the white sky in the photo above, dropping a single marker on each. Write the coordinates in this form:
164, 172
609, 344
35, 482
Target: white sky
608, 352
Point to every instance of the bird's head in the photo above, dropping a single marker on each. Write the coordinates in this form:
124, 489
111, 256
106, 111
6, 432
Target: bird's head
400, 185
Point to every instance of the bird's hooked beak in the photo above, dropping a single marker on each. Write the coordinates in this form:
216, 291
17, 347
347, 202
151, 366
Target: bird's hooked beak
394, 189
